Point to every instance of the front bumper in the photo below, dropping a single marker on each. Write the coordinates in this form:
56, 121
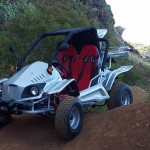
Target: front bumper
29, 107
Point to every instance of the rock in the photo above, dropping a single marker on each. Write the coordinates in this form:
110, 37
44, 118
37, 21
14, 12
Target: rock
137, 124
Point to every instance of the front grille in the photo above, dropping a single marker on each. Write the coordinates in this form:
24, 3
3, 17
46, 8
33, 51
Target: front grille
38, 78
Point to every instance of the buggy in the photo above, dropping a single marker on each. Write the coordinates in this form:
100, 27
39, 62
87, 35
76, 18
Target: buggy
78, 75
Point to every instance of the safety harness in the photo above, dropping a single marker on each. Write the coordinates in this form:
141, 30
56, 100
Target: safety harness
93, 68
70, 60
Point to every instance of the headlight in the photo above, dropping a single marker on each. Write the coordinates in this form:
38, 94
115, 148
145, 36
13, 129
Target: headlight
1, 88
33, 90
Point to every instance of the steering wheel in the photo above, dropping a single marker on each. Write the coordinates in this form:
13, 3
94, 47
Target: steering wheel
56, 64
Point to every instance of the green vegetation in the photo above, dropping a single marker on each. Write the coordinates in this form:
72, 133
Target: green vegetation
142, 67
142, 48
139, 61
25, 21
145, 49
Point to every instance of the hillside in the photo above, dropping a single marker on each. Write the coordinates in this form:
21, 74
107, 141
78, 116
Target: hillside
21, 21
144, 51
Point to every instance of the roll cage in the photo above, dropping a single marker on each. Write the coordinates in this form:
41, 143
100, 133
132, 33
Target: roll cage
78, 37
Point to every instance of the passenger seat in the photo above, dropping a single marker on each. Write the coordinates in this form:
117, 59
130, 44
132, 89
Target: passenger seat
87, 66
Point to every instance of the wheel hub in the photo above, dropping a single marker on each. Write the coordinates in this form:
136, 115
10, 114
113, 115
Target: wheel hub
125, 98
74, 118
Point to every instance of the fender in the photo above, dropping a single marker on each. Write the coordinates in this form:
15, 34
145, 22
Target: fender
3, 80
111, 75
60, 85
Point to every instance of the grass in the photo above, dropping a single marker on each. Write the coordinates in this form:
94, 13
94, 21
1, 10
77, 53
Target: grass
138, 60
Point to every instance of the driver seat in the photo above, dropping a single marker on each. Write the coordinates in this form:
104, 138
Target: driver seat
69, 59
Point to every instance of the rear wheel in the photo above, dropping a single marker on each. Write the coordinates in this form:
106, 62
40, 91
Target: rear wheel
120, 95
69, 118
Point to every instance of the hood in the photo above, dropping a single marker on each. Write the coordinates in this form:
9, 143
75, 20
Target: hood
32, 74
29, 75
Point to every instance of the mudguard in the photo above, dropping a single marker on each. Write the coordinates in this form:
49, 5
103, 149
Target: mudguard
60, 85
111, 75
3, 80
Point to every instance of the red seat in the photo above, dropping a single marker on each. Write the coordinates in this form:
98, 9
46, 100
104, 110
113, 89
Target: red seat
68, 58
87, 66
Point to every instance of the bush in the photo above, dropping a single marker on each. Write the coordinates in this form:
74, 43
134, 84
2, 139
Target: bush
25, 21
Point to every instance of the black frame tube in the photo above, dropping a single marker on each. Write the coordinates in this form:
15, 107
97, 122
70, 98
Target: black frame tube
68, 32
105, 53
35, 43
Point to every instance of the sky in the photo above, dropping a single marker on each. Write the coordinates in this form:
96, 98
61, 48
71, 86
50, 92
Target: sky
134, 16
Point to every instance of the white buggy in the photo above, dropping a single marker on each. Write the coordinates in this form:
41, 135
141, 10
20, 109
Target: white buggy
76, 77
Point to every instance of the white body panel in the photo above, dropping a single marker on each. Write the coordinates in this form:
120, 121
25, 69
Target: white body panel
111, 75
33, 74
96, 93
29, 75
58, 86
101, 32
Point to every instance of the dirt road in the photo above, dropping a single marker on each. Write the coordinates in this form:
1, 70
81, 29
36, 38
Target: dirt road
124, 128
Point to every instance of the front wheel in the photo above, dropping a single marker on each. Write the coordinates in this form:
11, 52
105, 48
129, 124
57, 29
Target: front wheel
69, 118
120, 95
5, 115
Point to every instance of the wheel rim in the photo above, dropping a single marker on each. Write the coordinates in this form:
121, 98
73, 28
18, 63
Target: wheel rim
74, 118
125, 98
